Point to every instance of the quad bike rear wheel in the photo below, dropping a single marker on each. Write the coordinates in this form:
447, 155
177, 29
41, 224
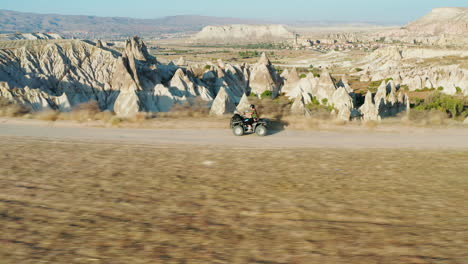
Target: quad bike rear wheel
261, 130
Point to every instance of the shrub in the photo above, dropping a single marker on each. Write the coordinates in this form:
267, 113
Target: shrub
453, 105
315, 101
249, 54
358, 69
458, 89
324, 101
207, 67
266, 94
440, 88
302, 76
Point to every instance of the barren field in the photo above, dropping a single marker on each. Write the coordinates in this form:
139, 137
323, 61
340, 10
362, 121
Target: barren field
84, 202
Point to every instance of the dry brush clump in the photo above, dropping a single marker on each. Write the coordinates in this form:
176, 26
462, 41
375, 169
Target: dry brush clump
12, 109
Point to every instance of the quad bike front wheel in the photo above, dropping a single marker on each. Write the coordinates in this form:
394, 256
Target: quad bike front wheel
261, 130
238, 131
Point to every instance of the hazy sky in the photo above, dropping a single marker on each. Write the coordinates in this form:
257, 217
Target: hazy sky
393, 11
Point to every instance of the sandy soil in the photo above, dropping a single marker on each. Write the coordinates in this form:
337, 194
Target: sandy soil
105, 203
419, 138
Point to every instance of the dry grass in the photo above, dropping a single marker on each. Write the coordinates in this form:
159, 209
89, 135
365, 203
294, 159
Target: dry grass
101, 203
195, 114
11, 109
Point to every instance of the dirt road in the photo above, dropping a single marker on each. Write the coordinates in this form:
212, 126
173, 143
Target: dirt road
357, 138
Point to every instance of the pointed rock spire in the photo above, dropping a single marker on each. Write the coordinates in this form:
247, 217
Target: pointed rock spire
222, 104
264, 59
244, 104
368, 110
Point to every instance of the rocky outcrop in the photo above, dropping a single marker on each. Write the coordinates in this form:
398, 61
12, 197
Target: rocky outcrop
299, 106
385, 103
243, 105
181, 62
264, 77
291, 79
222, 104
242, 33
127, 103
446, 20
368, 110
398, 63
343, 103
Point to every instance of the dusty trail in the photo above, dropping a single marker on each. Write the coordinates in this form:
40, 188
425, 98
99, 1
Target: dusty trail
361, 138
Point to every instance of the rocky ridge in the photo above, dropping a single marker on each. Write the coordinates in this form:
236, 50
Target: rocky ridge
243, 33
62, 75
417, 69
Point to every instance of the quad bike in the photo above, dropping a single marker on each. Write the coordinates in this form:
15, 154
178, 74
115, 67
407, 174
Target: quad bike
240, 127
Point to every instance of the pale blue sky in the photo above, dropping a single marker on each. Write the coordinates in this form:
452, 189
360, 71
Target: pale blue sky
393, 11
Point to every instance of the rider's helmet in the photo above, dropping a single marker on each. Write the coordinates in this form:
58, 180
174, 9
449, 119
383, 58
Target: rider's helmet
252, 106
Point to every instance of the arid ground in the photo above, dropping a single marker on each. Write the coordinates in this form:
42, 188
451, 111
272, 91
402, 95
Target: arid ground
84, 200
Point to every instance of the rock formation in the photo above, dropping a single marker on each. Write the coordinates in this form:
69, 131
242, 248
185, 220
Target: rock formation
243, 105
242, 33
398, 63
264, 77
291, 81
343, 103
369, 110
299, 106
222, 104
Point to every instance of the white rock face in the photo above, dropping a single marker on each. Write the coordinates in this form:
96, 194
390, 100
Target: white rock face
222, 104
127, 104
291, 81
368, 110
445, 20
466, 121
264, 77
343, 103
299, 107
243, 33
398, 63
243, 105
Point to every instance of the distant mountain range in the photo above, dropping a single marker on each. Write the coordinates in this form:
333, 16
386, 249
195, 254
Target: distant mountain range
80, 26
107, 27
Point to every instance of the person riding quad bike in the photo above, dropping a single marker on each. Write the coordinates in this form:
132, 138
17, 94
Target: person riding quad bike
250, 123
252, 116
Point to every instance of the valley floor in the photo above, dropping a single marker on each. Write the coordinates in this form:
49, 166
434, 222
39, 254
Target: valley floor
69, 201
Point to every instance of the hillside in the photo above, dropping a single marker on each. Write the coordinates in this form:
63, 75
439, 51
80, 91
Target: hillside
447, 20
106, 27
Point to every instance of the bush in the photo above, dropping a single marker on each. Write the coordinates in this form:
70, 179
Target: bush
440, 88
266, 94
458, 89
302, 76
324, 101
207, 67
315, 101
453, 105
358, 69
249, 54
